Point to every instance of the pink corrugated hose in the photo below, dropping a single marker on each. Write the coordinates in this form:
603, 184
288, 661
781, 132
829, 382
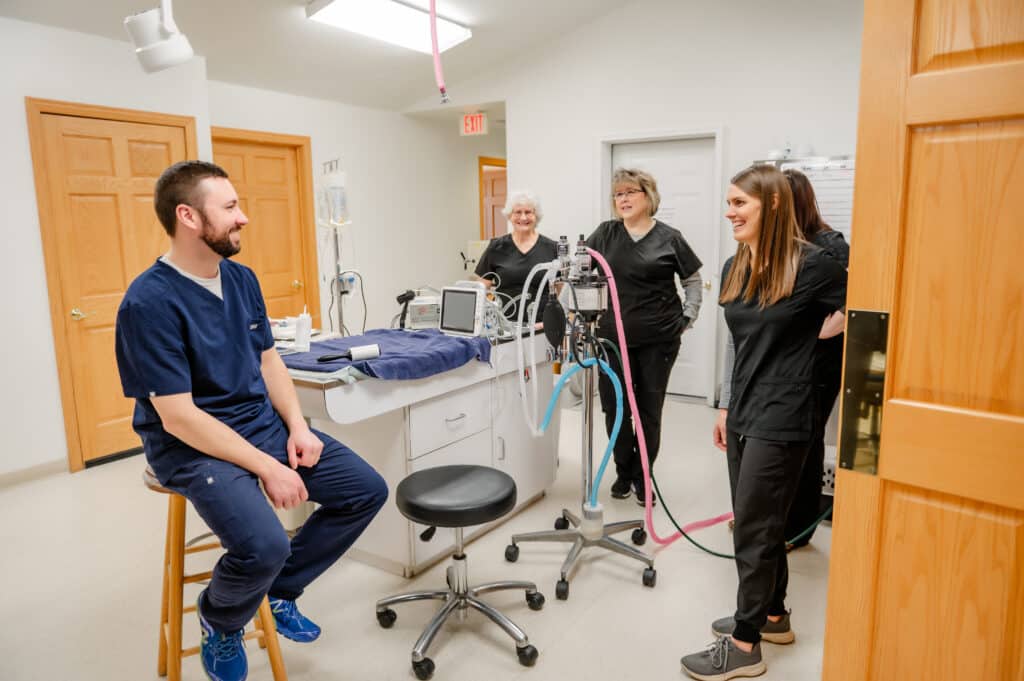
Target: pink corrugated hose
438, 73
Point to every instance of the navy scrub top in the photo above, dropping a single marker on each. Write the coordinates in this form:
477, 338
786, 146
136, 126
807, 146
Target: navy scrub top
174, 336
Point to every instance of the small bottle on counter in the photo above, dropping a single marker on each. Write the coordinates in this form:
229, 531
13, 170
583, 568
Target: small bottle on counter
303, 331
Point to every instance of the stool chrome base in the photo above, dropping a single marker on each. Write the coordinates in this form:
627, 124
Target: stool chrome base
458, 598
590, 531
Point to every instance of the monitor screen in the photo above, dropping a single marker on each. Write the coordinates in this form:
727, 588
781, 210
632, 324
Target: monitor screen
458, 310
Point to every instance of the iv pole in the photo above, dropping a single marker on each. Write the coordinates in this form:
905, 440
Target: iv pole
334, 204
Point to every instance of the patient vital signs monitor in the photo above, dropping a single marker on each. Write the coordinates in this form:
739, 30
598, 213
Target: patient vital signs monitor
462, 310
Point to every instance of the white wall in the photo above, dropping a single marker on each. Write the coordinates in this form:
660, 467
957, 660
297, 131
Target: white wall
56, 64
764, 72
411, 187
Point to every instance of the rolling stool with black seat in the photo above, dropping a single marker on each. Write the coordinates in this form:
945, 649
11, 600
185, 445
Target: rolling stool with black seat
458, 497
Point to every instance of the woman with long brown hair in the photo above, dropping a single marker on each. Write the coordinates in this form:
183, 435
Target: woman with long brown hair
777, 291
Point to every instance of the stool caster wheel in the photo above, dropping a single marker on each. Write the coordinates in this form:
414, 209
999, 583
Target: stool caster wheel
527, 655
386, 618
535, 600
511, 553
650, 577
639, 536
562, 590
561, 523
424, 669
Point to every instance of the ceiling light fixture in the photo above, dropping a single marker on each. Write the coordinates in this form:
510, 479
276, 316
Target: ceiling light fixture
390, 21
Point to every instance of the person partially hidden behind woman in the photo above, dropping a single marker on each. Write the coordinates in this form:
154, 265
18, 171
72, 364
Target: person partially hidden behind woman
777, 291
828, 363
508, 259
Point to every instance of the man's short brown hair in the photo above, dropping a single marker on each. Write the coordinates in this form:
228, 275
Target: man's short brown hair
180, 184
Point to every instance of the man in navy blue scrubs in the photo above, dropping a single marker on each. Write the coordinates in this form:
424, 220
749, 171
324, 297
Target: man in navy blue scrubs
218, 415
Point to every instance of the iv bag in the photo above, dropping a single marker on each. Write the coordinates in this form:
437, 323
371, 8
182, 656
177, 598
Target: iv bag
334, 205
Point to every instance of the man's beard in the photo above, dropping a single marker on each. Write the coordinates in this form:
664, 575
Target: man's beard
222, 246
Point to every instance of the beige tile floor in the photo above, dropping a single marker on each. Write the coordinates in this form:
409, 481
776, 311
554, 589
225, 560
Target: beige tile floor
81, 572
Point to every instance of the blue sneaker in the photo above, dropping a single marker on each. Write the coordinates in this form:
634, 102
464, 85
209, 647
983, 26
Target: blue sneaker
291, 623
223, 655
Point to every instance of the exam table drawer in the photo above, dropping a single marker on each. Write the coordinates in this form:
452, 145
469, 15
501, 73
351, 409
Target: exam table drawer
443, 420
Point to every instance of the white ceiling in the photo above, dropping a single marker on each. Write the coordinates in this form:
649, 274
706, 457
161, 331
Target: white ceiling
270, 44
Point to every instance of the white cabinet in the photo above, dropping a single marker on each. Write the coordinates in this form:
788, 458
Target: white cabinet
530, 460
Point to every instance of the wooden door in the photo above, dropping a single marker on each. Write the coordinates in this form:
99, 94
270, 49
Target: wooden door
927, 576
96, 181
493, 189
268, 176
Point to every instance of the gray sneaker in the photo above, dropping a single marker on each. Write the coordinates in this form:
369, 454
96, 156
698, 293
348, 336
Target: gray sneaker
723, 661
773, 632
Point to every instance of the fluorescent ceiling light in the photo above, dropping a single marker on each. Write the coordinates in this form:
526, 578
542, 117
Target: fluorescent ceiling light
390, 21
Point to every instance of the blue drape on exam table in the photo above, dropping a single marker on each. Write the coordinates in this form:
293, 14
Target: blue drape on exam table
403, 354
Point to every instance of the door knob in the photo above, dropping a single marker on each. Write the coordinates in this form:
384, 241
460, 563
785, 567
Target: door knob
78, 315
296, 284
707, 285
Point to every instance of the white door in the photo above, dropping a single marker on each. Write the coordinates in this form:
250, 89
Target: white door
685, 172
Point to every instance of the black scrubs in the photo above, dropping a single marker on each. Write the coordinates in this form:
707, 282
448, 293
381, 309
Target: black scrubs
771, 421
652, 317
828, 373
503, 257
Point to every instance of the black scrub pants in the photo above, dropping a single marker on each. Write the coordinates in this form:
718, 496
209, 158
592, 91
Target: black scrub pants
650, 366
763, 477
828, 374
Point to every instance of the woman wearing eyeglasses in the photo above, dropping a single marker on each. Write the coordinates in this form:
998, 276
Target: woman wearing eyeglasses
508, 259
646, 256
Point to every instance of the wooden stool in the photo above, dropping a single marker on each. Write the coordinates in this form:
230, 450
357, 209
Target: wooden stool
175, 579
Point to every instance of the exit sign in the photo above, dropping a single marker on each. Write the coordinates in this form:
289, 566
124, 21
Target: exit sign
474, 124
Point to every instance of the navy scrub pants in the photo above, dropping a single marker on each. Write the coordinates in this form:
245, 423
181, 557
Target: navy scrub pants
763, 477
260, 559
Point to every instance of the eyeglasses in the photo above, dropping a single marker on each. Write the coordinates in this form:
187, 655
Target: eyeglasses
524, 211
618, 196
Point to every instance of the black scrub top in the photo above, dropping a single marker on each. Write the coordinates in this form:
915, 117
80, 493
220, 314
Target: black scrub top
503, 257
828, 356
645, 273
772, 381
